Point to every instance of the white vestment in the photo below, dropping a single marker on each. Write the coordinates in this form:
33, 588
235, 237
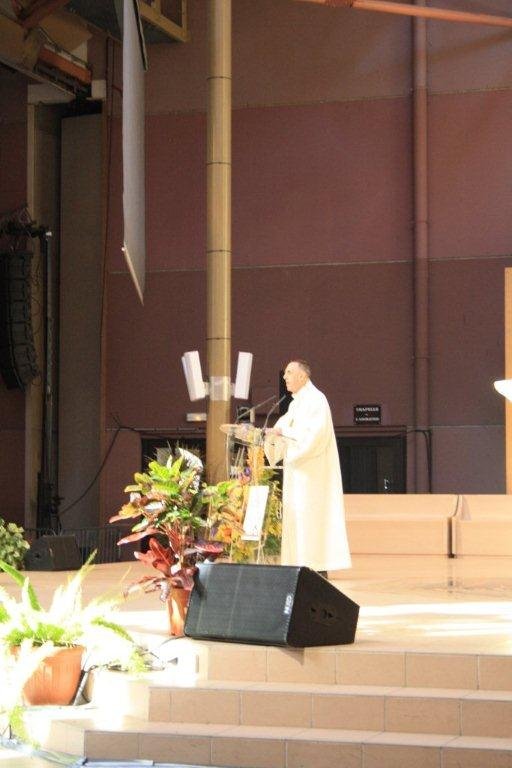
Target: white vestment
314, 531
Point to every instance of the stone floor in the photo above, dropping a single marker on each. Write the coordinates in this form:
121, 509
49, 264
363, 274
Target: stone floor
426, 604
410, 602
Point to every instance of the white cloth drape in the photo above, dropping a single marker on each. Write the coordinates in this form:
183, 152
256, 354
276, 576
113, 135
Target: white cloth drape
314, 531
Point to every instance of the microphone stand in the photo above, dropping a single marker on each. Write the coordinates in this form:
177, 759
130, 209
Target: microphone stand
269, 414
253, 408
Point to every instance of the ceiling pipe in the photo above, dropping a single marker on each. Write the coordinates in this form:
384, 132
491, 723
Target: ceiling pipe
406, 9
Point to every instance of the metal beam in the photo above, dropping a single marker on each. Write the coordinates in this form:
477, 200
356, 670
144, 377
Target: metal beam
34, 13
405, 9
24, 51
152, 16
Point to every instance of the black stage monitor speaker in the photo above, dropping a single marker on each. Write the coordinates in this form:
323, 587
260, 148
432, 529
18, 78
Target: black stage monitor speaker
269, 605
53, 553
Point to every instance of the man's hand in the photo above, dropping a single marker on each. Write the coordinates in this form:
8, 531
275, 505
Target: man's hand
273, 432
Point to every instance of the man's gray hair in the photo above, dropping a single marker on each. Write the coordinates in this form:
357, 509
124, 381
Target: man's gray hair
305, 366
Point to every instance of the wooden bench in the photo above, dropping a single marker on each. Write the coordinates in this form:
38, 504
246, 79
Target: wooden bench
483, 525
393, 524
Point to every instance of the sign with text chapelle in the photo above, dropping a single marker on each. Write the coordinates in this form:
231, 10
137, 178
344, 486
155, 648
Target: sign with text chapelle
367, 414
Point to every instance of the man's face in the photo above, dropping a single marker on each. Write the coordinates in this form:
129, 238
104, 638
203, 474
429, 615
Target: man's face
294, 377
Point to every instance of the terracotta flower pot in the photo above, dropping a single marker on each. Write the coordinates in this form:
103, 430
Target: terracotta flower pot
177, 605
56, 679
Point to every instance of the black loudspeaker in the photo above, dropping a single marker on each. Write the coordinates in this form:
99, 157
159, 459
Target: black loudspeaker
53, 553
18, 364
269, 605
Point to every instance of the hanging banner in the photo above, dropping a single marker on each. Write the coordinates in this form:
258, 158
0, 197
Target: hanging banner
134, 196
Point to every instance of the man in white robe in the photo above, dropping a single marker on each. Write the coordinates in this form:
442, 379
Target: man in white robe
314, 531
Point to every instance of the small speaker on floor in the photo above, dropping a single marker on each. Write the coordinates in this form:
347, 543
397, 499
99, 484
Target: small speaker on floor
269, 605
53, 553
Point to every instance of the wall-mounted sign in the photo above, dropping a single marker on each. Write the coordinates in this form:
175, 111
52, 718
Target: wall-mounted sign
367, 414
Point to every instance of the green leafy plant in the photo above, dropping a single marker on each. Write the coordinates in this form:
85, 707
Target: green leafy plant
12, 544
67, 621
167, 503
35, 631
16, 671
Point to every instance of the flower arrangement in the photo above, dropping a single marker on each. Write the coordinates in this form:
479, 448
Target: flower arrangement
12, 544
227, 502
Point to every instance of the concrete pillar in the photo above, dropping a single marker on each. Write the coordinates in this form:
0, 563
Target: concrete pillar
421, 262
218, 164
508, 375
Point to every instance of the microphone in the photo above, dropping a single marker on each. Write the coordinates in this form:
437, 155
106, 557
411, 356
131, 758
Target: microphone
243, 413
278, 402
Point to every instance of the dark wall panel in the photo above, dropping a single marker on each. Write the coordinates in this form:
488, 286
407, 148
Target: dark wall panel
176, 196
324, 183
13, 194
80, 385
467, 352
116, 259
469, 459
124, 460
286, 53
330, 183
12, 408
13, 157
467, 57
352, 322
13, 140
12, 481
470, 170
145, 383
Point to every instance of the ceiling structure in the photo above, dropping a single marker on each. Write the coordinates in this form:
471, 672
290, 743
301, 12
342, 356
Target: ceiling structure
47, 39
420, 9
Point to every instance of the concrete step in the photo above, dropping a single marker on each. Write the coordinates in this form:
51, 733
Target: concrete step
359, 664
11, 758
309, 705
412, 710
252, 746
311, 708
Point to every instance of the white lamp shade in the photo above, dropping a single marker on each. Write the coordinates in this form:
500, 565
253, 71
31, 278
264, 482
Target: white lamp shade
504, 387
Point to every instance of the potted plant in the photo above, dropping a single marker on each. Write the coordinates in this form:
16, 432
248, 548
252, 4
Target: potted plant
167, 503
12, 544
43, 649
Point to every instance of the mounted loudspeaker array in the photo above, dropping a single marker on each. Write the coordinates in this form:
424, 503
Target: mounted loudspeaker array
243, 376
198, 389
18, 364
193, 375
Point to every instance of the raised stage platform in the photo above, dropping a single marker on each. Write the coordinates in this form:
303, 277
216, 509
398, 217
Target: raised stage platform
427, 683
